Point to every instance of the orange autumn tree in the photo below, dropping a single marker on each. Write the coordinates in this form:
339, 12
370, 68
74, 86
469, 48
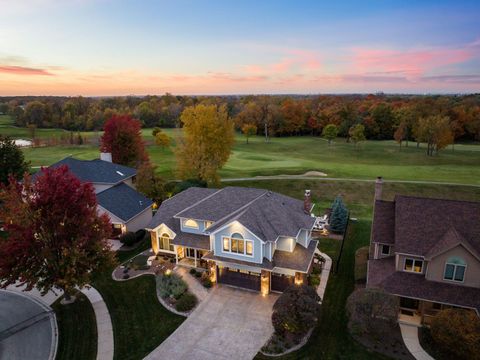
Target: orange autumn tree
207, 143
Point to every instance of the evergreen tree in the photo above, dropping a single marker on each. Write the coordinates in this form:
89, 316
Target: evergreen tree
339, 216
12, 161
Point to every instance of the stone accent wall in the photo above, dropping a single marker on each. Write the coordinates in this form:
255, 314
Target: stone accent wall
300, 278
153, 235
265, 282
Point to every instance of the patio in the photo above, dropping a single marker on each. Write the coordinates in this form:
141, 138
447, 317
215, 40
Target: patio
144, 263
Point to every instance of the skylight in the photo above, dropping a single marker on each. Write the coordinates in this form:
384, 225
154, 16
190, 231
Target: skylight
120, 173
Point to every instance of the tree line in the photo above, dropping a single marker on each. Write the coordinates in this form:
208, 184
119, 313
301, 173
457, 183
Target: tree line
382, 116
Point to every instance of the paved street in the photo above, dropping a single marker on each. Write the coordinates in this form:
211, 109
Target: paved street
27, 328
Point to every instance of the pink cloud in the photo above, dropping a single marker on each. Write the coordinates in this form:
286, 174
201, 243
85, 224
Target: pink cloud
22, 70
412, 63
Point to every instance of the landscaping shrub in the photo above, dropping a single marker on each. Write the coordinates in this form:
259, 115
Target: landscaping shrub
457, 332
198, 274
193, 271
207, 283
372, 313
171, 285
128, 238
139, 262
296, 310
314, 280
186, 302
140, 235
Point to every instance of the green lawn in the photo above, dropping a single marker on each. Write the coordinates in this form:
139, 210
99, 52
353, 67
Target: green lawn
293, 155
77, 330
140, 322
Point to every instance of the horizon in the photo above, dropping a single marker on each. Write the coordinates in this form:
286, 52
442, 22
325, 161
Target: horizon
101, 48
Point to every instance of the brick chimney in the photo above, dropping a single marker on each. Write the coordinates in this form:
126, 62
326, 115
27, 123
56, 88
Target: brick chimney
307, 202
378, 188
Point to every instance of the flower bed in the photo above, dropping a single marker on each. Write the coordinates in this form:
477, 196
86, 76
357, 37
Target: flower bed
174, 291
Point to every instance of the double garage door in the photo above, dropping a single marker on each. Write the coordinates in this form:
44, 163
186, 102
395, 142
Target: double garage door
240, 278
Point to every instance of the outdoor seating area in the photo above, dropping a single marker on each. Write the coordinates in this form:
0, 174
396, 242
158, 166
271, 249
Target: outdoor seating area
144, 263
321, 225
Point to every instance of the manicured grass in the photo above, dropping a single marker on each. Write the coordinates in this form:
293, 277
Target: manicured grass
77, 330
358, 195
140, 322
292, 155
331, 339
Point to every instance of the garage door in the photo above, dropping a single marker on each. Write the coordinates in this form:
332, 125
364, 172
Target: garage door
240, 278
280, 282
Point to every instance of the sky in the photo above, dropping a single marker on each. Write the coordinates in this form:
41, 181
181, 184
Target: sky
119, 47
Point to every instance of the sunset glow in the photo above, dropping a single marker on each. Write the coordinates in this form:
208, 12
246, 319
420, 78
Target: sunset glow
101, 47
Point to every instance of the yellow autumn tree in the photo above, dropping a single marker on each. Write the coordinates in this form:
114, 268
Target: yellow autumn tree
207, 142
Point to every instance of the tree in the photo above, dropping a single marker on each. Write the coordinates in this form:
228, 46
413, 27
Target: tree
162, 139
372, 313
330, 132
400, 133
457, 332
123, 138
12, 161
149, 183
207, 143
35, 113
339, 216
357, 133
55, 237
249, 130
296, 310
435, 131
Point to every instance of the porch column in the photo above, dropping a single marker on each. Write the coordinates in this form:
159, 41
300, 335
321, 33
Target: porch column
153, 236
265, 282
195, 254
176, 254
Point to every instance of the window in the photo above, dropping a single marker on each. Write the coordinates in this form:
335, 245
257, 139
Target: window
249, 248
236, 244
413, 265
455, 269
385, 250
164, 243
190, 223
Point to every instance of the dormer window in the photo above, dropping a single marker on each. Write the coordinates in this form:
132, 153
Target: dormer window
413, 265
455, 269
190, 223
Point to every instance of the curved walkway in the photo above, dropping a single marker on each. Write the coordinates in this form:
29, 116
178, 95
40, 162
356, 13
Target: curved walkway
410, 338
325, 273
105, 345
193, 284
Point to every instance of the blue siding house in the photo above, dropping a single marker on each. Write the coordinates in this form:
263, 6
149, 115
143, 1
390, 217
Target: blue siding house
250, 238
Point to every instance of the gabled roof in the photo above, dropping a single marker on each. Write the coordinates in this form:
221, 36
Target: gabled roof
170, 207
123, 201
422, 226
96, 171
265, 213
451, 239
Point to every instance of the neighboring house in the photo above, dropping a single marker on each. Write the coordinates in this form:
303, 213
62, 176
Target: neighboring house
250, 238
426, 252
127, 209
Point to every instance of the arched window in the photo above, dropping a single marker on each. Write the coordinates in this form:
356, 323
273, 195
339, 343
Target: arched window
164, 242
455, 269
238, 245
190, 223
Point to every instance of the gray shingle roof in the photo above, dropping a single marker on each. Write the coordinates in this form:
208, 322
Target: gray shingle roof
383, 228
123, 201
177, 203
96, 171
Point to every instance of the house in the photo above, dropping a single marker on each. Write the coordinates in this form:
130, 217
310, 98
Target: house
427, 252
114, 185
250, 238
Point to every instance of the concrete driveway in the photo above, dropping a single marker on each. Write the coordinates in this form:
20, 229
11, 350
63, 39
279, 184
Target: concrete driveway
27, 328
229, 324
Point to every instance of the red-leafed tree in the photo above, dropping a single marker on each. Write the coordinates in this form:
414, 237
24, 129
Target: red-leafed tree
54, 237
123, 138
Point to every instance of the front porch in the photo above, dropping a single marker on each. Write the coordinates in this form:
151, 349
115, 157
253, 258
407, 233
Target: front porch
418, 312
190, 257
